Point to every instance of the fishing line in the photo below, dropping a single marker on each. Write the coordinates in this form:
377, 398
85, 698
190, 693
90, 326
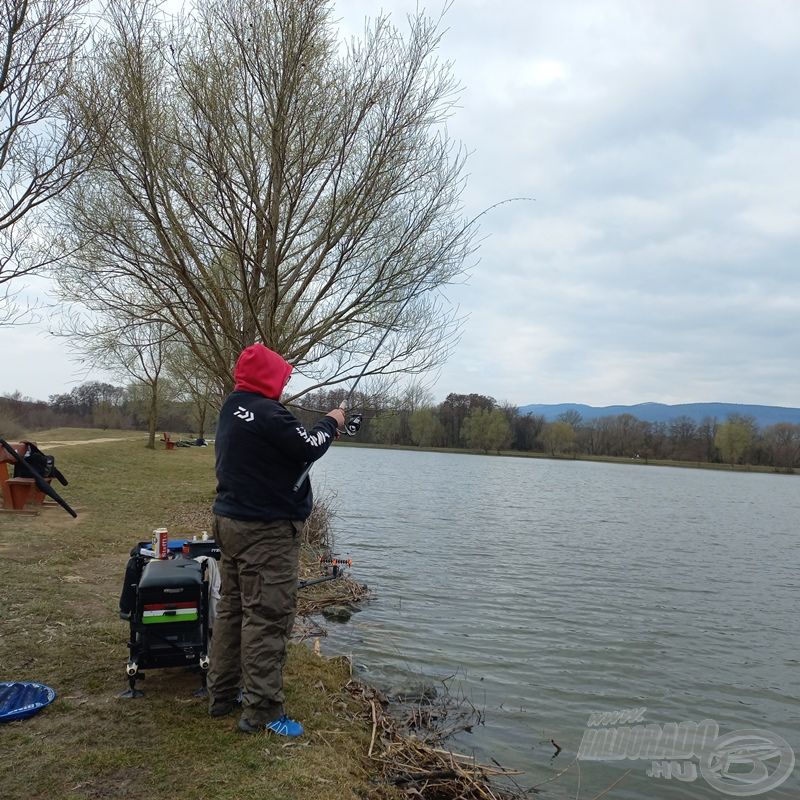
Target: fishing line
353, 425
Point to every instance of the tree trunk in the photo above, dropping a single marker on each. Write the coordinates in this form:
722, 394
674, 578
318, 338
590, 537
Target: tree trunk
201, 420
152, 417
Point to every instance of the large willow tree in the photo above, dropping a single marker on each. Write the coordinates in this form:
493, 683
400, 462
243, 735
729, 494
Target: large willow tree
42, 148
262, 180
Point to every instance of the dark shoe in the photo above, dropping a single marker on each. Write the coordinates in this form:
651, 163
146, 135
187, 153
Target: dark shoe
249, 727
223, 709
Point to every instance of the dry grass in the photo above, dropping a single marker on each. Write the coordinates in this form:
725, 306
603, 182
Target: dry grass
408, 746
59, 625
318, 532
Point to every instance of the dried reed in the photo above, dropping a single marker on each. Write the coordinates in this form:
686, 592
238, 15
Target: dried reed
407, 745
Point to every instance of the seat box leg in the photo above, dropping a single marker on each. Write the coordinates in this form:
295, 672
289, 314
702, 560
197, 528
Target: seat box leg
20, 489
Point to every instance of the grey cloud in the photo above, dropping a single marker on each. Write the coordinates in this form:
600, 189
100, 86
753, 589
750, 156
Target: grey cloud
661, 141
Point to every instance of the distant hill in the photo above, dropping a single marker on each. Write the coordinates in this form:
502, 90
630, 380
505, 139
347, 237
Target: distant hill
661, 412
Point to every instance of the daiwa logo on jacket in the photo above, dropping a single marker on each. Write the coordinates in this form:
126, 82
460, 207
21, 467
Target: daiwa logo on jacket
317, 439
243, 413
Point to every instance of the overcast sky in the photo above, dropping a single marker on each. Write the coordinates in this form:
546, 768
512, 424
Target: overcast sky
661, 141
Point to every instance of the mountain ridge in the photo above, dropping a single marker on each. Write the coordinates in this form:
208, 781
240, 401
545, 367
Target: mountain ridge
665, 412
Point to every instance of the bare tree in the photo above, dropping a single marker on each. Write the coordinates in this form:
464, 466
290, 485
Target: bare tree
133, 349
264, 181
783, 441
42, 148
194, 386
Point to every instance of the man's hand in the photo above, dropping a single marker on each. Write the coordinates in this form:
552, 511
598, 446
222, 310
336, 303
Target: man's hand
338, 415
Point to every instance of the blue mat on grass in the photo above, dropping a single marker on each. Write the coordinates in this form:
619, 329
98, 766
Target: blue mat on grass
23, 699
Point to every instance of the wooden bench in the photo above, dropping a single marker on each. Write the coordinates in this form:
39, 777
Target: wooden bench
17, 492
168, 443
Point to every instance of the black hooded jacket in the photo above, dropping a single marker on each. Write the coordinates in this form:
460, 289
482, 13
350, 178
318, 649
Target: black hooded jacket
261, 447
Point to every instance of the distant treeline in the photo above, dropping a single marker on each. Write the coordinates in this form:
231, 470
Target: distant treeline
94, 405
471, 421
478, 422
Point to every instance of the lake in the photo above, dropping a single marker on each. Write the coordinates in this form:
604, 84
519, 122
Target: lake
556, 589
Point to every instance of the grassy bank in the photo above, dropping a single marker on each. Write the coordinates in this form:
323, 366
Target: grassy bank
58, 625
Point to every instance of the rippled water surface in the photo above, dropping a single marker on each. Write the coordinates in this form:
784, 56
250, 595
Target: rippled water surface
553, 589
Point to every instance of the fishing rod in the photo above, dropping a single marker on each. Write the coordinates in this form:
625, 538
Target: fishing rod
303, 584
41, 484
354, 424
374, 411
351, 428
336, 564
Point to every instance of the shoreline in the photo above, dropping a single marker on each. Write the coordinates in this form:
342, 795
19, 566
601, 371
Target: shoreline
59, 626
636, 462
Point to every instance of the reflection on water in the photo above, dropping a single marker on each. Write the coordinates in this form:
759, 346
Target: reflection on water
553, 589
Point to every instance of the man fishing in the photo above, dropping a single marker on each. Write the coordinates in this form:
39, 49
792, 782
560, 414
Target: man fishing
261, 448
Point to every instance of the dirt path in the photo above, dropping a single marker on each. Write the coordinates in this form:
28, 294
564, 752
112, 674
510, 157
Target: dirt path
50, 445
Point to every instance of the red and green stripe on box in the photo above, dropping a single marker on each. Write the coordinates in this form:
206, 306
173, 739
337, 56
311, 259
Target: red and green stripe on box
154, 613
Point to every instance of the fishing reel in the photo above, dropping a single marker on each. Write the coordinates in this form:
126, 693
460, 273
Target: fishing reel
353, 425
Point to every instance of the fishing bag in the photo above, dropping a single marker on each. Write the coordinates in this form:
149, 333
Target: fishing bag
43, 464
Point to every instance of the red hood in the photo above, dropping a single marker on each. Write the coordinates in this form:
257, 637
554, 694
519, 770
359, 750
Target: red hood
261, 370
